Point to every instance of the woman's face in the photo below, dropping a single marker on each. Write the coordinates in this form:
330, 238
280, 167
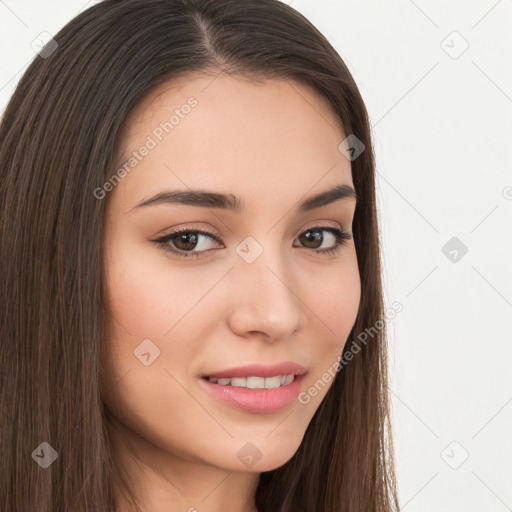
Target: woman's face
255, 290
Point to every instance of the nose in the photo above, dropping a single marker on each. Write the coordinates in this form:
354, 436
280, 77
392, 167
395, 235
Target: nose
266, 299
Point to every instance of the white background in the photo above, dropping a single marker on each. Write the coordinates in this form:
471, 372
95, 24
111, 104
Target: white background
442, 131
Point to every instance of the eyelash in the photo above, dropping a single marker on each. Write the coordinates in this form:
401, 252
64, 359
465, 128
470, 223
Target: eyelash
341, 240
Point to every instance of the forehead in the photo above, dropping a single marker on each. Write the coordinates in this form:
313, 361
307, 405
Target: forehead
226, 133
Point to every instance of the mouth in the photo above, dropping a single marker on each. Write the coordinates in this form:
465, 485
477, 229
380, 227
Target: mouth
255, 393
254, 382
257, 376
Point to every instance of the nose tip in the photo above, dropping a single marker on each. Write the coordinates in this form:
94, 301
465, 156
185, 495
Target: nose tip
267, 305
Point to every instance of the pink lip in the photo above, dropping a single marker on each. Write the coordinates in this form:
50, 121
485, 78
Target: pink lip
256, 400
260, 370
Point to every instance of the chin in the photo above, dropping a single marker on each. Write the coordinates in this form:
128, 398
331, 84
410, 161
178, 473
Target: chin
258, 456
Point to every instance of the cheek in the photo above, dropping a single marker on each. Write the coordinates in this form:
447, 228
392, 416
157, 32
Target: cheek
138, 306
146, 302
145, 297
336, 305
337, 300
150, 300
142, 312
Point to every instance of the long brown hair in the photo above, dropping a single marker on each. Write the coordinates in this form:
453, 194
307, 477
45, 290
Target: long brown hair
60, 141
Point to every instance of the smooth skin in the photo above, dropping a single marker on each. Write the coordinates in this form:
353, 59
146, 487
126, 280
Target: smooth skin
272, 145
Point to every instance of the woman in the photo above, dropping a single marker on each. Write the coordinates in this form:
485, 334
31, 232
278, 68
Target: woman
192, 268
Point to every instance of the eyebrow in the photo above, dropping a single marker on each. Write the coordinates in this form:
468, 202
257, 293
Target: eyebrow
206, 199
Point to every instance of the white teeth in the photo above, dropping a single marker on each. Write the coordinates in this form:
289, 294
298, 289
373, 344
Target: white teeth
255, 382
273, 382
240, 382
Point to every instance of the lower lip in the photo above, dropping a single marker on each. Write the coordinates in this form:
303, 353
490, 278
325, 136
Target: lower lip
257, 400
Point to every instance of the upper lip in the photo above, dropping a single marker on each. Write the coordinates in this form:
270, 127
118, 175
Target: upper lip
260, 370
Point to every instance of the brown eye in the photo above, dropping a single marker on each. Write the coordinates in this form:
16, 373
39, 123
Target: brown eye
314, 238
183, 242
